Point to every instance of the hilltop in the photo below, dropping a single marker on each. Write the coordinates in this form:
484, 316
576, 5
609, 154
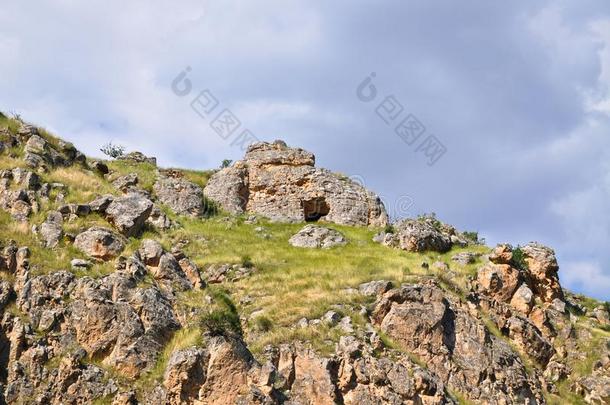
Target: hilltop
270, 281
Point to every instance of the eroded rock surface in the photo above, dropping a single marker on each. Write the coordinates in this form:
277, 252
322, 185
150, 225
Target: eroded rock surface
455, 345
281, 183
313, 236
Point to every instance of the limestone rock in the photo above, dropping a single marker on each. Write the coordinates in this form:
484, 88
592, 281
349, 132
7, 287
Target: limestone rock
281, 183
129, 213
542, 266
100, 243
126, 183
454, 345
51, 230
313, 236
182, 196
415, 235
375, 288
101, 203
499, 281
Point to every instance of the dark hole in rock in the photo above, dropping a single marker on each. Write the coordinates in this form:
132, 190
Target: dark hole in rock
315, 209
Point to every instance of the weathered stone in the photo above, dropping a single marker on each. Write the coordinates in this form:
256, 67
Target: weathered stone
499, 281
454, 345
126, 183
159, 220
151, 252
313, 236
101, 203
414, 235
464, 258
80, 264
138, 157
100, 243
375, 288
502, 254
182, 196
281, 183
129, 213
542, 267
523, 299
51, 230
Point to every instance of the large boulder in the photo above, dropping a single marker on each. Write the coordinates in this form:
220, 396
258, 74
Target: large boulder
417, 235
313, 236
100, 243
454, 344
129, 213
542, 267
181, 195
281, 183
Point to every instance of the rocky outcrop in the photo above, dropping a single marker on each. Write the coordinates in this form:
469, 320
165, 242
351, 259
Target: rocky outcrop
415, 235
129, 213
179, 194
281, 183
313, 236
455, 345
100, 243
40, 153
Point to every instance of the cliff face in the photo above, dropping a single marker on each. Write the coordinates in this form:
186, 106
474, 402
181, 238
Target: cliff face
282, 184
119, 283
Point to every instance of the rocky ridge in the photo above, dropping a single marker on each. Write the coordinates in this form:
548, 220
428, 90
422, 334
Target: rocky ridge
156, 327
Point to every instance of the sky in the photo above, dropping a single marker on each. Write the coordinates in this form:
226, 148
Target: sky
503, 107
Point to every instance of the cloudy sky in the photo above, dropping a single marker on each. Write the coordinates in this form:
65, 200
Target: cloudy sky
517, 93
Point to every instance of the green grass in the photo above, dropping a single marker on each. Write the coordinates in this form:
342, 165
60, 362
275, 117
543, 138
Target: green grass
147, 172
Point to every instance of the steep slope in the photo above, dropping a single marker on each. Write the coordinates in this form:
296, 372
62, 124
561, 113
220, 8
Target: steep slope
125, 283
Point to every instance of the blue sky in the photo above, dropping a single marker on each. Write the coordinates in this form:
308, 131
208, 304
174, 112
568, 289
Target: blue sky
517, 92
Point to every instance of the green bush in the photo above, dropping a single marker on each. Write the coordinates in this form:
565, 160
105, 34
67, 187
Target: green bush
223, 319
246, 261
263, 324
112, 150
519, 258
209, 208
389, 228
225, 163
471, 236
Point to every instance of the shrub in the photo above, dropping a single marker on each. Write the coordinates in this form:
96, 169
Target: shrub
113, 151
246, 261
389, 228
223, 320
263, 324
472, 236
209, 208
225, 163
519, 258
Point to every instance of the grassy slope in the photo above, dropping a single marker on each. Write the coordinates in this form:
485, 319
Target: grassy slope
290, 283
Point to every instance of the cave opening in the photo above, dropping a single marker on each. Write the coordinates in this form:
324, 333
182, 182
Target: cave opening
315, 209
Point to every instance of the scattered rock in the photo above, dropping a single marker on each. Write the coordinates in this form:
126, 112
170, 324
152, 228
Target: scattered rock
454, 344
80, 264
100, 243
100, 204
126, 183
182, 196
375, 288
331, 318
313, 236
138, 157
414, 235
129, 213
51, 230
464, 258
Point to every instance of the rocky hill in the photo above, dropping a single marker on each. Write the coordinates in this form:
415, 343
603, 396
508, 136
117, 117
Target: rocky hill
267, 282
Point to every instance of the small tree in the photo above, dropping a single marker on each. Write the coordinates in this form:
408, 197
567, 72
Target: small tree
226, 163
114, 151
